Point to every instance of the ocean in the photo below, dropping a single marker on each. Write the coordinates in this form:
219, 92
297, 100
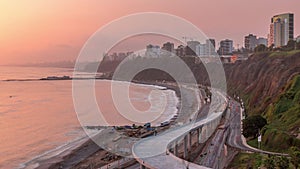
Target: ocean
37, 117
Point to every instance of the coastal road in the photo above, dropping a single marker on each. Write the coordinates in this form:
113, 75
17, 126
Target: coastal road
235, 134
153, 152
235, 138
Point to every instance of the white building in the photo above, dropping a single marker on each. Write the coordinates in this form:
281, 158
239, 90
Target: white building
250, 42
281, 29
262, 41
210, 47
201, 50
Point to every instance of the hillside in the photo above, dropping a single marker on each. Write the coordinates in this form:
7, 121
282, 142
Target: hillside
269, 84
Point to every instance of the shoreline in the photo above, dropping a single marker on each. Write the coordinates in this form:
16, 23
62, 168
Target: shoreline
81, 150
94, 160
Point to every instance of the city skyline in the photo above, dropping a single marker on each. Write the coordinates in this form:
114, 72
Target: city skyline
56, 31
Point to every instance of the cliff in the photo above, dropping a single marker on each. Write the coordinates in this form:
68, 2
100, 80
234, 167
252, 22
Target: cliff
269, 84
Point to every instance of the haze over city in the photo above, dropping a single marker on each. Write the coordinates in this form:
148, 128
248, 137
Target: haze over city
49, 31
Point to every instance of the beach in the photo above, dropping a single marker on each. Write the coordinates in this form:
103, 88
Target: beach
90, 154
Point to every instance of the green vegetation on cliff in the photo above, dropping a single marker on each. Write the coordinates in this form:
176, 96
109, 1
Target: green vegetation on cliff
284, 118
269, 84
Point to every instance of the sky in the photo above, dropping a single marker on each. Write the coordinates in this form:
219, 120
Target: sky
54, 30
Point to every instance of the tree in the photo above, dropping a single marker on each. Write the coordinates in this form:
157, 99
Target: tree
269, 162
294, 153
290, 45
282, 162
252, 125
260, 48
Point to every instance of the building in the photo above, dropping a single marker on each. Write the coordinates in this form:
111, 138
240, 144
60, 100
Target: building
201, 50
226, 47
281, 29
210, 47
152, 51
169, 47
262, 41
250, 42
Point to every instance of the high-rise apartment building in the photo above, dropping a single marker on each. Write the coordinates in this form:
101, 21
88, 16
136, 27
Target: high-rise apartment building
250, 42
281, 29
226, 47
210, 47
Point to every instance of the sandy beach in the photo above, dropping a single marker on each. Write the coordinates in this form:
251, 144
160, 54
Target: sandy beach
89, 154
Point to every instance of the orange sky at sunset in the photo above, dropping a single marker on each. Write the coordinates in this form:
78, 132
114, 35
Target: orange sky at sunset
55, 30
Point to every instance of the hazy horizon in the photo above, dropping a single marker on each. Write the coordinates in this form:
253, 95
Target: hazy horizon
51, 31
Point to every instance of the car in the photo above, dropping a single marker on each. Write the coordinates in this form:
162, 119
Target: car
164, 124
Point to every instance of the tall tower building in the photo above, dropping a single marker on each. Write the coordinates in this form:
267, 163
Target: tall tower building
281, 29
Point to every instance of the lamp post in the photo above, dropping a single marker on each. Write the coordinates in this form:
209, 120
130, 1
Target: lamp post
259, 139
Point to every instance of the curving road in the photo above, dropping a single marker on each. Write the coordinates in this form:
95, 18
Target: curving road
235, 138
153, 152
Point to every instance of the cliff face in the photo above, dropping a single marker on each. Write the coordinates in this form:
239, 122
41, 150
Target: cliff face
269, 84
262, 77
